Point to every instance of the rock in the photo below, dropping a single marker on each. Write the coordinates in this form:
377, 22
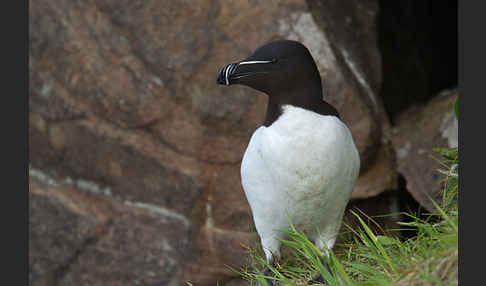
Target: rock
380, 177
56, 233
80, 238
123, 96
419, 130
351, 28
353, 79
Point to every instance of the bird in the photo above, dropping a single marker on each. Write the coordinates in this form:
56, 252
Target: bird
301, 164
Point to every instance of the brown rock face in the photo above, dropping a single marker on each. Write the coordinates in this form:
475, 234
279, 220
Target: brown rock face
419, 130
353, 84
77, 238
55, 235
124, 94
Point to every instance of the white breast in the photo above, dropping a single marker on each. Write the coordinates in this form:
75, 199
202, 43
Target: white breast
304, 165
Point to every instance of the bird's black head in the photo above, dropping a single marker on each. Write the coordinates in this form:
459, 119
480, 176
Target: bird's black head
286, 72
277, 66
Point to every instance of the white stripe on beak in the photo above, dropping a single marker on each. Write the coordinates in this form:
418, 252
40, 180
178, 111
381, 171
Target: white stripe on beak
227, 73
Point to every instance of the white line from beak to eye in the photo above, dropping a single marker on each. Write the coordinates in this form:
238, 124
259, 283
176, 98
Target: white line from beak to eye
230, 67
254, 62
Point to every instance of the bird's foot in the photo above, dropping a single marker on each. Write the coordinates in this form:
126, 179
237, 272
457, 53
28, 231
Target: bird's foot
269, 282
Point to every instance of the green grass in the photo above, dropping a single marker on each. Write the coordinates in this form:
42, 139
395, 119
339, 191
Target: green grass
369, 258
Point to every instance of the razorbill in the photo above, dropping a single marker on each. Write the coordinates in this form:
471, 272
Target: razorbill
302, 163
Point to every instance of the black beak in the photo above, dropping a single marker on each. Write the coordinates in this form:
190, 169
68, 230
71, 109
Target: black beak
224, 75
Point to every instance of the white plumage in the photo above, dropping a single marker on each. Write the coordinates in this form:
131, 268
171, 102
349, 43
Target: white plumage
304, 166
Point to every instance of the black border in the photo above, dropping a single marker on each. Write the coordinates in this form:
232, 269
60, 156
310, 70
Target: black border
472, 48
14, 209
462, 91
19, 208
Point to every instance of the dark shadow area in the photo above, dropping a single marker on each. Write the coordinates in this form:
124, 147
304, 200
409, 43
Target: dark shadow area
418, 44
407, 204
386, 210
